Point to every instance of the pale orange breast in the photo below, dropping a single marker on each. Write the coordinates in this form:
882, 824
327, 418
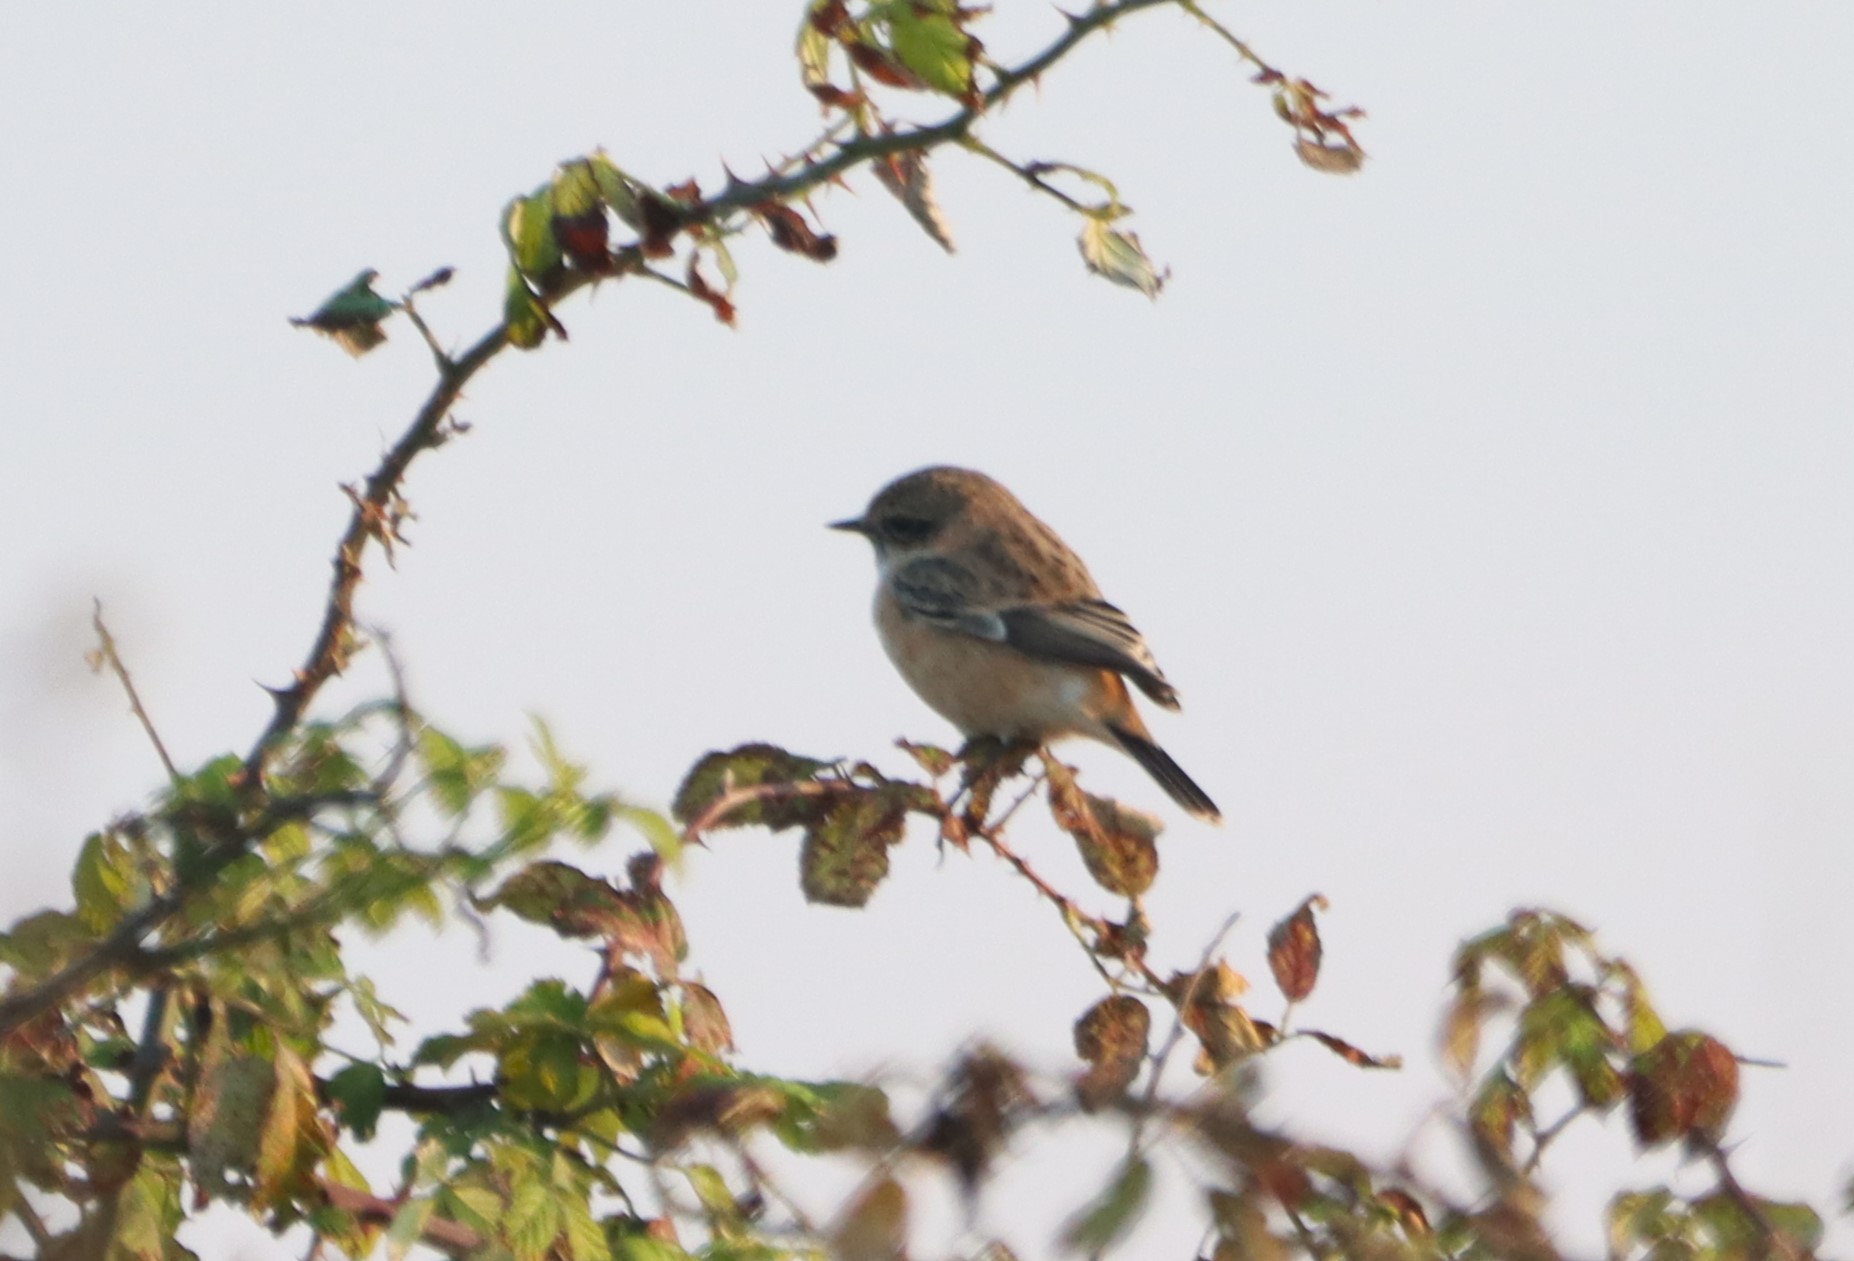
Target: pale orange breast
988, 688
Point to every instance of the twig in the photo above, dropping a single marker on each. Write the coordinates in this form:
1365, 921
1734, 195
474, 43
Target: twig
1028, 174
451, 1238
1176, 1035
329, 653
106, 655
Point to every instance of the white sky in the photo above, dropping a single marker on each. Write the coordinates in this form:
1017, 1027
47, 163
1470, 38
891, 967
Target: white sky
1493, 509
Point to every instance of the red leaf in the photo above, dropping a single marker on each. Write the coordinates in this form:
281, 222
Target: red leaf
834, 97
716, 300
583, 239
883, 67
790, 232
661, 221
1294, 950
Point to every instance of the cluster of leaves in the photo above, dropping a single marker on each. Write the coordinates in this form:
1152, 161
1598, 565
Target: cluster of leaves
1583, 1018
215, 920
612, 1119
854, 58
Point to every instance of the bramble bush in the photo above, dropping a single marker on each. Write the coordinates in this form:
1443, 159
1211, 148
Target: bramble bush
164, 1041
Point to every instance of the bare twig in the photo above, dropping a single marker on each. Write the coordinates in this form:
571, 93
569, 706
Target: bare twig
106, 655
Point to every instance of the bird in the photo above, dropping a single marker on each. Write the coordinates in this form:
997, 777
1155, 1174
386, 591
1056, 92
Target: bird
997, 624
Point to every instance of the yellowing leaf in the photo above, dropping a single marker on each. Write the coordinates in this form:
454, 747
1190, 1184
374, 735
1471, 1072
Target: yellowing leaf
1119, 257
907, 177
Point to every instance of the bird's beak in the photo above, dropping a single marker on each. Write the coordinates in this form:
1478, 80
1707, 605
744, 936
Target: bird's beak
855, 525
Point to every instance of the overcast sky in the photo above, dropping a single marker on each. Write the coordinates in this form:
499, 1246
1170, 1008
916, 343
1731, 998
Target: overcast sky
1493, 510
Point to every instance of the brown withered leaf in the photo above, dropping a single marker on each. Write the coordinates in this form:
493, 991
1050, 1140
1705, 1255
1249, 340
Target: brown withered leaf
659, 220
989, 761
704, 1022
875, 1225
1686, 1086
986, 1096
828, 16
1208, 1009
584, 239
791, 233
1409, 1211
1294, 950
1494, 1114
882, 66
1351, 1054
1126, 939
907, 177
1116, 841
707, 1105
930, 758
834, 97
1112, 1037
1328, 158
845, 854
717, 301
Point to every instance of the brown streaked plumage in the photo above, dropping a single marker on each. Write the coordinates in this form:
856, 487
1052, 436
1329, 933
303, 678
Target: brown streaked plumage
999, 626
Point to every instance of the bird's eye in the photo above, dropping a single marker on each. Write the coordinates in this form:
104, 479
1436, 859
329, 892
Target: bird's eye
898, 529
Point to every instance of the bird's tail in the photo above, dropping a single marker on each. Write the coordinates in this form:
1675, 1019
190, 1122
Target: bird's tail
1171, 776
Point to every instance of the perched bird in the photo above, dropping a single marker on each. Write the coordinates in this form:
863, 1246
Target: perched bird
998, 626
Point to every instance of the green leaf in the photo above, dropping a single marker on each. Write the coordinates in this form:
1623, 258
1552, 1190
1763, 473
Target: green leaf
528, 231
549, 1073
148, 1211
814, 49
712, 1190
1113, 1213
104, 876
352, 315
616, 189
575, 190
358, 1092
584, 1236
560, 896
749, 766
845, 854
928, 39
456, 775
533, 1220
641, 1247
657, 830
408, 1224
526, 320
43, 943
1119, 257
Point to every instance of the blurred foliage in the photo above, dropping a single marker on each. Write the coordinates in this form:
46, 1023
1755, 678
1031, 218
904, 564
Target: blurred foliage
614, 1119
167, 1041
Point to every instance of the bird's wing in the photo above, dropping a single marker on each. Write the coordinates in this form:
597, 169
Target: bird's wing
945, 593
1086, 632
